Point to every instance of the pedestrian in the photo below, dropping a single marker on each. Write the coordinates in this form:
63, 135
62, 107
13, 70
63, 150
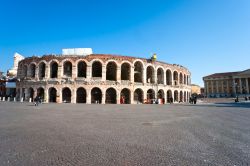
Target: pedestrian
36, 100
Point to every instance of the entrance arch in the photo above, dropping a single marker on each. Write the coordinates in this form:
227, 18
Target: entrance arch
150, 75
125, 71
138, 71
169, 96
111, 70
31, 93
160, 96
181, 96
96, 95
66, 94
150, 95
169, 77
81, 95
138, 96
81, 69
97, 69
110, 96
125, 93
176, 99
40, 93
52, 95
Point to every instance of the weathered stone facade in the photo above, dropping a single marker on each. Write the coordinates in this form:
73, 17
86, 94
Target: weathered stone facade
101, 78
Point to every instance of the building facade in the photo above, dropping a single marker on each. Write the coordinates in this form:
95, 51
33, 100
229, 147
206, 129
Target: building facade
101, 78
228, 84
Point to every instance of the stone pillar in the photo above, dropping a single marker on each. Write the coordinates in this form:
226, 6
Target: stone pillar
46, 95
74, 72
73, 97
132, 69
222, 87
131, 97
247, 87
227, 91
144, 76
26, 94
118, 74
240, 86
103, 95
234, 87
117, 97
164, 78
212, 86
217, 86
47, 71
21, 94
89, 73
155, 78
104, 73
88, 97
37, 72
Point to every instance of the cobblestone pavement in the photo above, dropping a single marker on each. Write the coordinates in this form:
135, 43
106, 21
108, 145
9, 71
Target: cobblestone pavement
113, 135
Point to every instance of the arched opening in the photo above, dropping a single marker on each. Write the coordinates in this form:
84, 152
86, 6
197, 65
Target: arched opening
67, 69
125, 96
169, 96
81, 69
188, 80
25, 71
169, 77
181, 78
96, 95
181, 96
176, 96
53, 70
185, 96
138, 96
97, 69
42, 68
31, 93
150, 74
66, 95
175, 78
161, 98
81, 95
160, 76
111, 70
138, 72
40, 93
185, 80
52, 95
110, 96
150, 96
125, 71
32, 70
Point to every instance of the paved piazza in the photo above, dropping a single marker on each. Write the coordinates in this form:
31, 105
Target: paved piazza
79, 134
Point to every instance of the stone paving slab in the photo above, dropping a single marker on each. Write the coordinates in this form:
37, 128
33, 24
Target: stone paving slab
79, 134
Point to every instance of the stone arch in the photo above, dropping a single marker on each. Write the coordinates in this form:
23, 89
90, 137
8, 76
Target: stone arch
160, 75
125, 96
184, 79
175, 78
161, 96
150, 95
53, 69
111, 70
110, 96
181, 96
185, 96
181, 78
138, 95
41, 93
42, 70
67, 68
138, 71
96, 95
31, 93
169, 96
82, 69
81, 95
52, 95
125, 71
25, 70
66, 95
176, 98
169, 77
32, 70
96, 69
150, 74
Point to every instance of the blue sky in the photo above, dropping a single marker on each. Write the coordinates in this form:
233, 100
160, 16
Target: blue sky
206, 36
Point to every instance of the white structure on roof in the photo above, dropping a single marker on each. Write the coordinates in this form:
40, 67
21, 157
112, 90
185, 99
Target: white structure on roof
77, 51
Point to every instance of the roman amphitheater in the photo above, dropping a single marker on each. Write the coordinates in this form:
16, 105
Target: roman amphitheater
101, 78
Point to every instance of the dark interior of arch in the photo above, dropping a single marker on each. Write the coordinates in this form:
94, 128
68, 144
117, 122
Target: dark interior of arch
138, 95
110, 96
66, 94
125, 71
169, 77
160, 94
150, 94
160, 76
42, 70
181, 96
150, 74
138, 72
82, 69
67, 69
54, 69
169, 96
40, 93
181, 78
175, 78
52, 95
97, 69
96, 95
31, 93
176, 96
111, 70
25, 71
32, 71
81, 95
126, 94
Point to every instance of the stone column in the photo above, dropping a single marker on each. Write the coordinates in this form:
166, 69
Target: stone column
132, 74
21, 94
118, 74
155, 78
103, 95
88, 96
131, 97
240, 86
118, 97
89, 73
59, 97
164, 78
217, 86
104, 73
73, 97
222, 87
47, 71
212, 86
46, 95
36, 72
26, 95
234, 87
144, 76
247, 87
60, 72
74, 72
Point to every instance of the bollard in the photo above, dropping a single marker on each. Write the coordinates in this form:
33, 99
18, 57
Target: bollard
8, 98
14, 99
21, 100
0, 98
30, 100
3, 98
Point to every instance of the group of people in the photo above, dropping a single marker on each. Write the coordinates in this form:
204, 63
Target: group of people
193, 100
37, 100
